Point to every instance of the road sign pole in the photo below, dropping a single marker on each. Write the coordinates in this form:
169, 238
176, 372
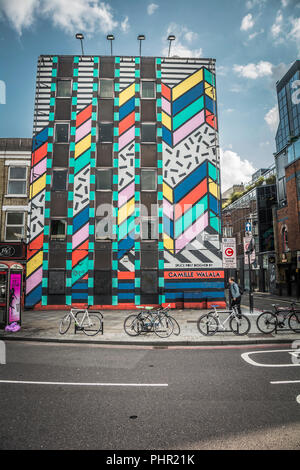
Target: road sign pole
250, 285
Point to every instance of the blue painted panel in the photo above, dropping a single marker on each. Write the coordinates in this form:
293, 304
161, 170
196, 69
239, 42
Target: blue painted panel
187, 98
40, 138
81, 219
126, 109
192, 285
126, 295
213, 204
209, 104
190, 182
34, 296
126, 244
173, 295
126, 285
79, 296
167, 136
80, 286
168, 226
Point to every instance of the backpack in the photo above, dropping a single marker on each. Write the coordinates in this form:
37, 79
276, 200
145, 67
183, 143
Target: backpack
240, 289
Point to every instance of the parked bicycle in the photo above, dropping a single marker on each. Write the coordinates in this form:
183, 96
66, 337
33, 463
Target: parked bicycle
210, 323
267, 322
151, 319
89, 323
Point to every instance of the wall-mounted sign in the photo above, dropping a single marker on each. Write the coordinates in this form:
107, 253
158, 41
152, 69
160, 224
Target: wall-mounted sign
12, 251
247, 241
194, 274
229, 253
14, 305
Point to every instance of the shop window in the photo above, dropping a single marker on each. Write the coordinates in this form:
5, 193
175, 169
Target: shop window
104, 179
148, 89
17, 180
148, 180
148, 132
14, 226
63, 89
62, 133
58, 229
59, 180
106, 88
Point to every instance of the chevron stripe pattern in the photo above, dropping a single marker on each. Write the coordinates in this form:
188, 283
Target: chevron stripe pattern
34, 269
81, 201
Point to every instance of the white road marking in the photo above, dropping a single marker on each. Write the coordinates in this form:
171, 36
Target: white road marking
93, 384
246, 358
298, 399
285, 382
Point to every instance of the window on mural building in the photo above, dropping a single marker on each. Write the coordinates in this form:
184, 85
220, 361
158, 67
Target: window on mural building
17, 177
63, 89
148, 132
105, 132
58, 229
14, 226
61, 133
148, 89
59, 180
149, 228
106, 88
103, 228
148, 180
104, 179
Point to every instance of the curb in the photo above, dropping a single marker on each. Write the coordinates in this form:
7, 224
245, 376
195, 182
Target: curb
157, 344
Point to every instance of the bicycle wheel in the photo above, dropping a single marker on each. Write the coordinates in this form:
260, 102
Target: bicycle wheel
65, 324
240, 325
207, 324
132, 325
266, 322
176, 326
92, 324
294, 322
163, 326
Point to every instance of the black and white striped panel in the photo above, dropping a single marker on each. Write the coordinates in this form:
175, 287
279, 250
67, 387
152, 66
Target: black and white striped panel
174, 70
127, 71
85, 82
42, 93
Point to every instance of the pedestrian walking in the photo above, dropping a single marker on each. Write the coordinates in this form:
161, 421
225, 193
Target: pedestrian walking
235, 295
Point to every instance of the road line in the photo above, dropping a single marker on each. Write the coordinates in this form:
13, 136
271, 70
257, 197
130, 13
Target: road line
246, 358
298, 399
91, 384
285, 382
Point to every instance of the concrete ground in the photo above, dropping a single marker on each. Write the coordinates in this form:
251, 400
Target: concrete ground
43, 326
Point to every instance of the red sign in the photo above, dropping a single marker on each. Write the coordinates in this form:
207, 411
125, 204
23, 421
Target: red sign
194, 274
229, 252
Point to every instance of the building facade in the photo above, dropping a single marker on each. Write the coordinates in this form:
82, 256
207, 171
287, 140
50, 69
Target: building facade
125, 192
15, 160
287, 159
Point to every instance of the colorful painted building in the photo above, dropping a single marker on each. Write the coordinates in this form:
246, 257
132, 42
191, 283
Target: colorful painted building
125, 184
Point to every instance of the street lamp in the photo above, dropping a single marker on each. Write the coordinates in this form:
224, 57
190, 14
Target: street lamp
171, 38
110, 37
141, 37
80, 36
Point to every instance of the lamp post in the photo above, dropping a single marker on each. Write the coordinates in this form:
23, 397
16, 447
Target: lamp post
171, 38
80, 36
250, 249
110, 37
141, 37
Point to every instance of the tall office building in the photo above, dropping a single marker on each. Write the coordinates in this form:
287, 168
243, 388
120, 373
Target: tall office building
125, 184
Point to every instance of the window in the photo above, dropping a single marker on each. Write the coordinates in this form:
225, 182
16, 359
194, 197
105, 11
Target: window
17, 177
105, 132
59, 180
149, 282
104, 179
58, 229
14, 228
57, 282
284, 238
104, 227
148, 89
149, 228
148, 132
148, 180
106, 89
62, 133
63, 89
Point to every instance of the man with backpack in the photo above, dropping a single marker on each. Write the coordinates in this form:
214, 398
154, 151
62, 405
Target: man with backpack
236, 295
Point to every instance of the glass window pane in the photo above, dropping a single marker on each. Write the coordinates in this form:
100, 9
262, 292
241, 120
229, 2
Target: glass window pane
148, 90
17, 173
106, 89
104, 227
104, 179
14, 233
15, 218
17, 187
59, 181
62, 133
148, 132
63, 89
58, 229
148, 180
105, 132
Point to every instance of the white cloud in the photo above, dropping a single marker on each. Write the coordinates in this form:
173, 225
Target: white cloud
247, 22
294, 34
272, 119
276, 28
87, 16
125, 26
254, 71
178, 48
254, 35
234, 170
151, 8
253, 3
284, 3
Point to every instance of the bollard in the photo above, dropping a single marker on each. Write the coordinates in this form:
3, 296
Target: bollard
2, 353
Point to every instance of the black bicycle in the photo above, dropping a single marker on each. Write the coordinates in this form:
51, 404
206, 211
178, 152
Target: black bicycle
267, 322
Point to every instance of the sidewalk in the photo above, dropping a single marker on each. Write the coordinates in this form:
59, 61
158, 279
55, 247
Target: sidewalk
43, 326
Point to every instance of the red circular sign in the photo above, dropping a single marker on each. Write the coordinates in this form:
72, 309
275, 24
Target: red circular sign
229, 252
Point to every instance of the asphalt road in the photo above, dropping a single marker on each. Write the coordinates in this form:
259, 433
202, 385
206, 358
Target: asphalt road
264, 301
199, 398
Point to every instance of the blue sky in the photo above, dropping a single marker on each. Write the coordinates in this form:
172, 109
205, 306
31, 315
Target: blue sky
253, 41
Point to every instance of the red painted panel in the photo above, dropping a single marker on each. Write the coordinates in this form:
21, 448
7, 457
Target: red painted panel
126, 275
39, 154
166, 92
85, 114
190, 199
126, 123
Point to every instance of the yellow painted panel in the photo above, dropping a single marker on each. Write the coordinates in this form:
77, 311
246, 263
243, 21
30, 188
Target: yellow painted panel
125, 211
210, 91
126, 94
213, 188
83, 145
38, 186
187, 84
168, 242
167, 192
34, 263
166, 121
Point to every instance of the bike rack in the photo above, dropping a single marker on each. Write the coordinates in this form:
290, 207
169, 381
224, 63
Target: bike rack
77, 328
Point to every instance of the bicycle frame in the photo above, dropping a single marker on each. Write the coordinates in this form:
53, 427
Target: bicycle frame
232, 313
77, 310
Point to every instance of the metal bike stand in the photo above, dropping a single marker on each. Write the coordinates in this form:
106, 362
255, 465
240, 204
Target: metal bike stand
102, 323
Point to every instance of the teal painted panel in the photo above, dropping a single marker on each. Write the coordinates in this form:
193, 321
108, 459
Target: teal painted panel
190, 216
80, 270
126, 227
214, 222
212, 171
82, 161
188, 113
